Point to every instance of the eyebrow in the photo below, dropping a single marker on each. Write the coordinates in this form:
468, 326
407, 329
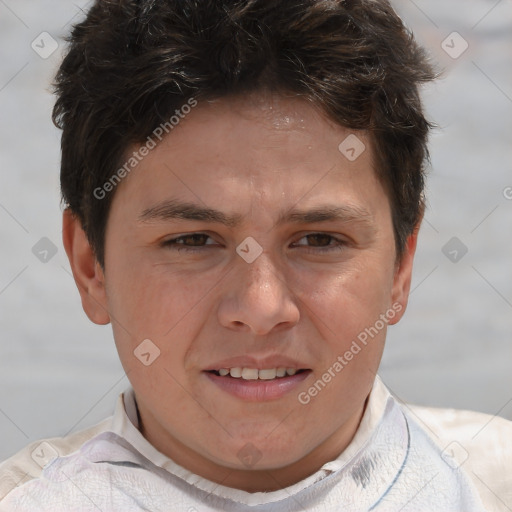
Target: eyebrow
177, 210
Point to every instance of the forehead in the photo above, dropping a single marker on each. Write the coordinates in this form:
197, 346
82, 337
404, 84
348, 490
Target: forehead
278, 150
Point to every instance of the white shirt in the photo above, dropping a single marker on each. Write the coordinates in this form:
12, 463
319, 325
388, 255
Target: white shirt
402, 458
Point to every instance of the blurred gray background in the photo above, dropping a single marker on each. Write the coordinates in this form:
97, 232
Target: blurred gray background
60, 373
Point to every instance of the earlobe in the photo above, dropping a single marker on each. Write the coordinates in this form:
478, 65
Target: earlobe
403, 276
87, 272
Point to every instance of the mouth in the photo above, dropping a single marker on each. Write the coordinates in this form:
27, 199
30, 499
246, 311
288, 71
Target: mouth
256, 374
257, 385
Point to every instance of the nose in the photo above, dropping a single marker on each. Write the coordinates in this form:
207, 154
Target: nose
257, 298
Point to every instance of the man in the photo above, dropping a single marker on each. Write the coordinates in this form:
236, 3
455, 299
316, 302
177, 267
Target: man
244, 188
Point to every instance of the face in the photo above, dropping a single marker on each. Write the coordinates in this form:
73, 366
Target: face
247, 242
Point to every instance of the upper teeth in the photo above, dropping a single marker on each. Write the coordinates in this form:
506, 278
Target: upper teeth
254, 373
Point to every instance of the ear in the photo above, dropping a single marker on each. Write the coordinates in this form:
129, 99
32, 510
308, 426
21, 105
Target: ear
87, 272
403, 275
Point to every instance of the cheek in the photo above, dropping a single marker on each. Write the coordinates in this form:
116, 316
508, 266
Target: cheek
342, 304
151, 298
157, 303
158, 313
346, 310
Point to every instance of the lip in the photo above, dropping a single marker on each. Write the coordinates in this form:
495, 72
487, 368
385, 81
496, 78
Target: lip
258, 390
262, 363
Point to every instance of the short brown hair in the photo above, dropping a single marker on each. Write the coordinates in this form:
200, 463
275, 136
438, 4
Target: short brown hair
130, 64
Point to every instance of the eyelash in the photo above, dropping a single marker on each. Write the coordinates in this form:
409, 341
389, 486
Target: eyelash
174, 243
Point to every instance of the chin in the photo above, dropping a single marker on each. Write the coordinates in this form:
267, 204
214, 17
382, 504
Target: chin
260, 454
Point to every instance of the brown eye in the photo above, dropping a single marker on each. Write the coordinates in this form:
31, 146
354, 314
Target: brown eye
195, 240
321, 242
191, 240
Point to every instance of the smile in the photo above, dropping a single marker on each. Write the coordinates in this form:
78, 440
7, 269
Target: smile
253, 385
255, 374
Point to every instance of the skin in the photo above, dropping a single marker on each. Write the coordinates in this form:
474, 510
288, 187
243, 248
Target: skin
255, 157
